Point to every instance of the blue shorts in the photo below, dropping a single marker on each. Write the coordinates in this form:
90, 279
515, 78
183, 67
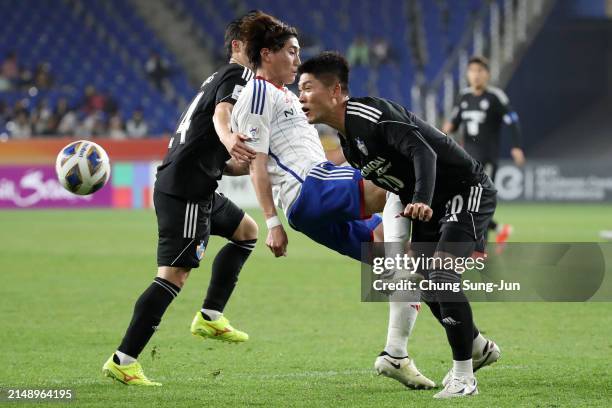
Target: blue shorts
330, 209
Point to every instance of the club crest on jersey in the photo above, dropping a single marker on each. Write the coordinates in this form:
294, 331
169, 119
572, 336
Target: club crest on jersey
200, 249
484, 104
362, 147
253, 133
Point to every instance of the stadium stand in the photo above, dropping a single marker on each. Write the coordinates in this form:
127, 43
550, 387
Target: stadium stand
107, 45
103, 44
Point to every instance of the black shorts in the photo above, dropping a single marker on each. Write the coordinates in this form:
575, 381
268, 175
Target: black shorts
459, 223
184, 227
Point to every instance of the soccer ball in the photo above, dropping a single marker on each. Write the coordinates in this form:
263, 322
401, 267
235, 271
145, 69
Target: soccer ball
82, 167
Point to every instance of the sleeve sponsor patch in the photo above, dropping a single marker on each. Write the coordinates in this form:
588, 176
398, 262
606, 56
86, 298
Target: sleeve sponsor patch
236, 92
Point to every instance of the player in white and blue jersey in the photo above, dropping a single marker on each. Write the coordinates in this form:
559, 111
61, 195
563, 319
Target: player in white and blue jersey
331, 204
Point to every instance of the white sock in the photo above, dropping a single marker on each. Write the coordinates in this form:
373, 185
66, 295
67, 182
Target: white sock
463, 368
395, 229
213, 314
402, 316
479, 344
124, 359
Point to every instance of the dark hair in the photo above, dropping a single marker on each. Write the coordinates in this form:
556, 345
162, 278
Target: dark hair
232, 31
264, 31
480, 60
327, 67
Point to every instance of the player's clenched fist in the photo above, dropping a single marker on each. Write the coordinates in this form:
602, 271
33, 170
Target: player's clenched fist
237, 148
417, 211
277, 241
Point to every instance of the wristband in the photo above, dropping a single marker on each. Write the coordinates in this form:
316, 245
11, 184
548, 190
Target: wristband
273, 222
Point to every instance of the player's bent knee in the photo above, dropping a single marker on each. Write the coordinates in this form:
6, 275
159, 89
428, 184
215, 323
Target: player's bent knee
247, 229
175, 275
374, 197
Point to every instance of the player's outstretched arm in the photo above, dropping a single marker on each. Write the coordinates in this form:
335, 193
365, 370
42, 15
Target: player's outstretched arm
233, 142
277, 239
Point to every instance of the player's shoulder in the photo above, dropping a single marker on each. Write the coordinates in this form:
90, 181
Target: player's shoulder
465, 92
367, 108
236, 70
379, 110
258, 95
499, 94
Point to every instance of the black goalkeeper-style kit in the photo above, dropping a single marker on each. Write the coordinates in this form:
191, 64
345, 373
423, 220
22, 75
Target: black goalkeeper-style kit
401, 153
184, 196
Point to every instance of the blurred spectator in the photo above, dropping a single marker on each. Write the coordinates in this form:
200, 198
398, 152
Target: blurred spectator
4, 114
42, 118
137, 128
20, 127
92, 125
93, 101
5, 84
358, 52
110, 105
381, 52
26, 79
64, 119
158, 70
21, 106
42, 77
10, 67
115, 128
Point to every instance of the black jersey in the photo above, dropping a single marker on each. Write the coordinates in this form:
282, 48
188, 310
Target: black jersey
401, 153
483, 116
196, 157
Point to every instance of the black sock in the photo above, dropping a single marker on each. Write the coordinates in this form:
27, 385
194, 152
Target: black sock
453, 311
148, 311
225, 270
459, 325
435, 310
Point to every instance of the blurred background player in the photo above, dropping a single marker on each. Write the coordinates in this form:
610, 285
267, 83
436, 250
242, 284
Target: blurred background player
483, 109
188, 210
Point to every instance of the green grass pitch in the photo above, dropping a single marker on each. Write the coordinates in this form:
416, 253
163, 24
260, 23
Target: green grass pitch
70, 279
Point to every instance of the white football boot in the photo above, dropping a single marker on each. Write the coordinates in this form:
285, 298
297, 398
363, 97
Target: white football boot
402, 370
459, 387
487, 356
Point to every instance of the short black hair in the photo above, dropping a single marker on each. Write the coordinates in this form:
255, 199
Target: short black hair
232, 31
327, 67
480, 60
264, 31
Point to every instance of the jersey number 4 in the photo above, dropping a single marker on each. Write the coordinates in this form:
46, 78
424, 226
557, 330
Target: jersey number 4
183, 127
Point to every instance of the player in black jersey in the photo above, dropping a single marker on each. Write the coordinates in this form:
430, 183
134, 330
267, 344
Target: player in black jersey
444, 190
483, 109
188, 210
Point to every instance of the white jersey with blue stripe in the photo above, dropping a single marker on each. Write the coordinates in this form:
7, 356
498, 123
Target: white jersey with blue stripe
273, 118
